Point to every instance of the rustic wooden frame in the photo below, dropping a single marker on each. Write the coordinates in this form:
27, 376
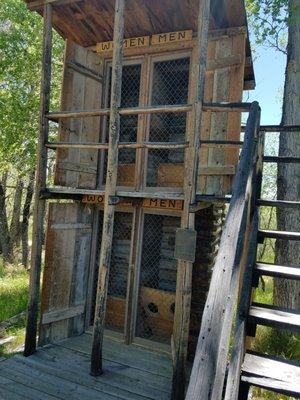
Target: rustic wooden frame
110, 190
209, 367
41, 176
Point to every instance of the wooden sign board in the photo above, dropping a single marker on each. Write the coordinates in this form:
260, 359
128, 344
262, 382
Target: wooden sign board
143, 41
146, 41
163, 204
93, 199
172, 37
99, 199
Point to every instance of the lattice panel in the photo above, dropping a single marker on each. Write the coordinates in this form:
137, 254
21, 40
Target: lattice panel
129, 125
158, 273
170, 86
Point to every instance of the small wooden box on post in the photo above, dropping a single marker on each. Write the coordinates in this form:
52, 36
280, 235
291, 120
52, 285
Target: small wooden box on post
146, 152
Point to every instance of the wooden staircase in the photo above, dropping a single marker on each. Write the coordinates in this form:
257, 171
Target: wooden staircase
239, 264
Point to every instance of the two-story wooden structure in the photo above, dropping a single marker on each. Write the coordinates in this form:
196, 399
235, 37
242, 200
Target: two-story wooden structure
141, 158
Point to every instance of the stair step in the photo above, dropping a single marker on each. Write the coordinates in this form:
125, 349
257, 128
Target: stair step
275, 317
278, 203
227, 107
278, 271
281, 159
271, 373
263, 234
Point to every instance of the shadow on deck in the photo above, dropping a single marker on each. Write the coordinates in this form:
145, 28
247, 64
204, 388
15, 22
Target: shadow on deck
61, 371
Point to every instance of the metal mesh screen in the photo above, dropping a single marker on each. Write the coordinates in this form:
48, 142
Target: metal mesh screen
129, 124
117, 286
158, 273
170, 86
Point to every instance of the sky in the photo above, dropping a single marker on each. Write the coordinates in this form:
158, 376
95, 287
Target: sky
269, 69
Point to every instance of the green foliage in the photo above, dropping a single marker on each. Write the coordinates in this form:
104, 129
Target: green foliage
269, 20
20, 65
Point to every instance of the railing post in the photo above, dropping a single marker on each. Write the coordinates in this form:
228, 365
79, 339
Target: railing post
110, 190
41, 175
185, 268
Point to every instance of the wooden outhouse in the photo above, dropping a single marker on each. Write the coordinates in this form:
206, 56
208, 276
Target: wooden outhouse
144, 152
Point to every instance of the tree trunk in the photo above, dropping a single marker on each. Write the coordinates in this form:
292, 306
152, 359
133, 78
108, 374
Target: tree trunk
15, 225
25, 220
6, 247
287, 293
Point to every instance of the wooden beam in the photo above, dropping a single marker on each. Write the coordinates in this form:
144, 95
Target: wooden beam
41, 174
208, 373
75, 66
39, 4
185, 268
110, 191
227, 107
225, 62
122, 145
181, 108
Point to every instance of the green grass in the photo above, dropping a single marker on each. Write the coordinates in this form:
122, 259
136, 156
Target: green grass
13, 300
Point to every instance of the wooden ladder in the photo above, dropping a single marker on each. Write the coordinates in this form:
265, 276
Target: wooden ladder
236, 265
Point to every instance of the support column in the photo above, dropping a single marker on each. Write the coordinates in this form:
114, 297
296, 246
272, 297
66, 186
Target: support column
110, 190
184, 268
41, 175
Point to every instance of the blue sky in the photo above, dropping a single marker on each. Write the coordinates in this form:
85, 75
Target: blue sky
269, 68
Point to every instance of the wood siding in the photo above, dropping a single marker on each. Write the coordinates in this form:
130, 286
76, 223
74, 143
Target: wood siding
66, 272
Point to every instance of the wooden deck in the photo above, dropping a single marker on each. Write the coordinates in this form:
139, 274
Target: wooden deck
61, 371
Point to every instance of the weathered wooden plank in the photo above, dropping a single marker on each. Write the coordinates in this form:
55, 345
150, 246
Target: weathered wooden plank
119, 380
274, 385
184, 268
276, 317
227, 107
58, 315
273, 368
211, 356
56, 116
239, 341
82, 69
14, 383
39, 204
278, 271
263, 234
38, 4
110, 190
224, 62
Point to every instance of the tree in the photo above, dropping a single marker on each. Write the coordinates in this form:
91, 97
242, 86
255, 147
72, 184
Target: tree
20, 65
277, 24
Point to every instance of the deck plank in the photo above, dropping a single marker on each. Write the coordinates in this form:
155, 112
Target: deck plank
61, 372
26, 390
59, 387
57, 355
149, 361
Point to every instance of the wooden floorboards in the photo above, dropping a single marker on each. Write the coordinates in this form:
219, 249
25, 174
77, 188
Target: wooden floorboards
61, 371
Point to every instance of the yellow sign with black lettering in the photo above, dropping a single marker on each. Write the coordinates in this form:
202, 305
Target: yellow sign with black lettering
172, 37
93, 199
130, 43
163, 204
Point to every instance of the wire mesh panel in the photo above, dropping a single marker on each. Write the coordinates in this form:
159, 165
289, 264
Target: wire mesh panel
158, 273
117, 286
129, 124
170, 86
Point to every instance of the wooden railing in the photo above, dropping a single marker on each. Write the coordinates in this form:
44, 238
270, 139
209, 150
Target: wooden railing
208, 373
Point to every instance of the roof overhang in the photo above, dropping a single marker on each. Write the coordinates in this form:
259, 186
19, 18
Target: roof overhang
88, 22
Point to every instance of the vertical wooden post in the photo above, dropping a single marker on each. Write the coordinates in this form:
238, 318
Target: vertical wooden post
184, 271
41, 174
110, 190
